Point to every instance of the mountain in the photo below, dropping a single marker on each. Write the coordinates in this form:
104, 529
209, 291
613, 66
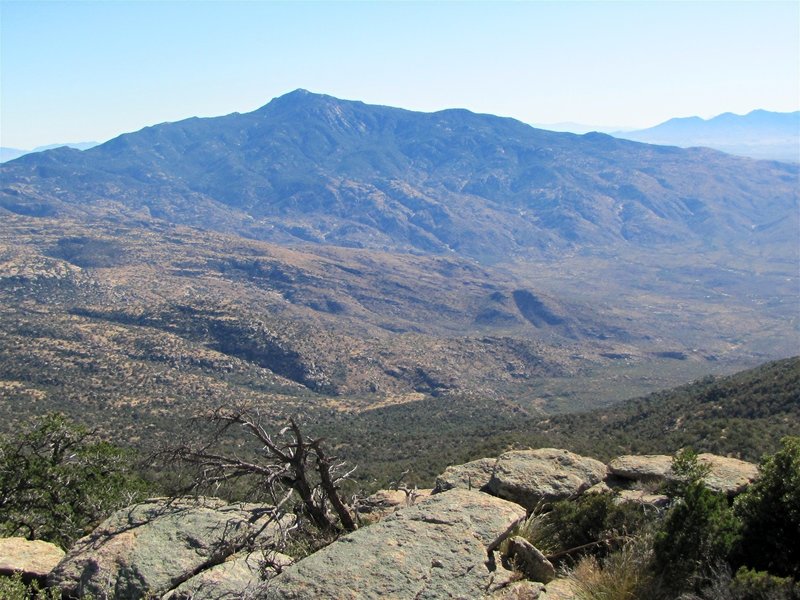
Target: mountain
328, 256
312, 168
7, 154
759, 134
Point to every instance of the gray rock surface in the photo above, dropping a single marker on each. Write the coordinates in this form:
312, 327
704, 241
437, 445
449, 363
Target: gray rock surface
34, 559
529, 560
385, 502
530, 477
519, 590
727, 475
151, 548
558, 589
655, 467
472, 475
435, 549
236, 578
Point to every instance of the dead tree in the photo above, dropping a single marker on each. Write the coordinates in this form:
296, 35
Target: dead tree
286, 465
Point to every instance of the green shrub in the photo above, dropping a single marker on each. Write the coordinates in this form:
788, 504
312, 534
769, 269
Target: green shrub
57, 481
757, 585
14, 588
770, 513
699, 530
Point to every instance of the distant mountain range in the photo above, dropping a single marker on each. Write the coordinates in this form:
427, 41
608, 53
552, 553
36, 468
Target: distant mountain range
758, 134
7, 154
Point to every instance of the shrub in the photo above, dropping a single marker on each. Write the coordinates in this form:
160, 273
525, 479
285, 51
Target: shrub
592, 522
758, 585
14, 588
770, 513
57, 481
699, 530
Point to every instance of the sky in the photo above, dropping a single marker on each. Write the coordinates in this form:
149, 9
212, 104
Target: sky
89, 71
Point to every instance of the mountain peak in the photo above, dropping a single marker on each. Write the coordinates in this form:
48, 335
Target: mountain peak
298, 97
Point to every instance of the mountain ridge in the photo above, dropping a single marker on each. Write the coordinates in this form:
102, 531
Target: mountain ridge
758, 134
312, 168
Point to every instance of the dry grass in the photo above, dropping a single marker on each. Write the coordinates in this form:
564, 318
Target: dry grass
623, 575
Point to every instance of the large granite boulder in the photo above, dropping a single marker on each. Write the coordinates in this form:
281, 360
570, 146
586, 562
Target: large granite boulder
435, 549
151, 548
531, 477
647, 467
236, 578
726, 475
473, 475
33, 559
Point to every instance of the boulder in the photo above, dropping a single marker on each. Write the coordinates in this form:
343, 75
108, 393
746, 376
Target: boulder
33, 559
473, 475
726, 475
532, 477
648, 467
236, 578
435, 549
148, 549
528, 560
599, 488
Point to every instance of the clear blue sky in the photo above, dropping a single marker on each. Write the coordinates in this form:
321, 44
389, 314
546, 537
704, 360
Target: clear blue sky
77, 71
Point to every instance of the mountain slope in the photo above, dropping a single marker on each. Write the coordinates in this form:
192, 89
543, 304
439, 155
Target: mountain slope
744, 414
312, 168
758, 134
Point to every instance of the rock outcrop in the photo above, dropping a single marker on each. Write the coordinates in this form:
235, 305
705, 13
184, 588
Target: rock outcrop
385, 502
648, 467
151, 548
238, 577
444, 545
436, 549
531, 477
473, 475
726, 475
33, 559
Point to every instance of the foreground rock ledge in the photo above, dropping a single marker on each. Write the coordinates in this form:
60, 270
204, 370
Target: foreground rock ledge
149, 549
436, 549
